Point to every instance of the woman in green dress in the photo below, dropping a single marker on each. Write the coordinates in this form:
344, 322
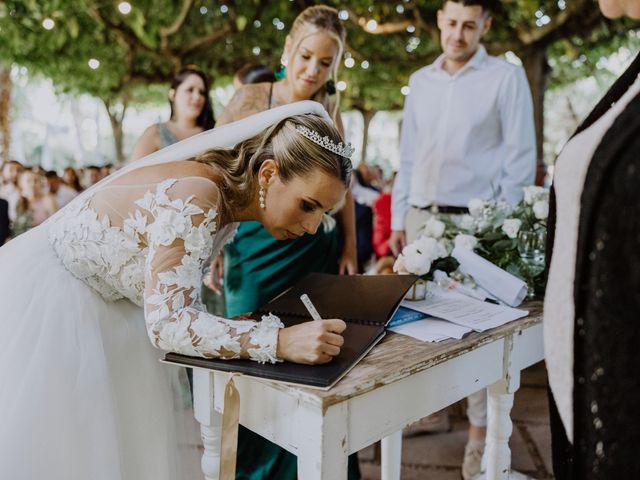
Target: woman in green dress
256, 266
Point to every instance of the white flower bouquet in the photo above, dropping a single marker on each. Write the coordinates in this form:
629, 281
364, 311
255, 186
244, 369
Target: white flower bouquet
511, 237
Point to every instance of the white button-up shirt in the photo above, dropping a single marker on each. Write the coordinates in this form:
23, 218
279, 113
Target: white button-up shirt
466, 135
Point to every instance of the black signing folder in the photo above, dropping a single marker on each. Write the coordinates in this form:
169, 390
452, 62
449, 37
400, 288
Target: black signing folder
365, 302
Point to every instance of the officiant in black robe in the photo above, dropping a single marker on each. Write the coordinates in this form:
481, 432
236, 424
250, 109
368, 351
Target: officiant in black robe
598, 436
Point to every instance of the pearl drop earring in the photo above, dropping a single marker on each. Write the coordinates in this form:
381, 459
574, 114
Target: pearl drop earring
262, 192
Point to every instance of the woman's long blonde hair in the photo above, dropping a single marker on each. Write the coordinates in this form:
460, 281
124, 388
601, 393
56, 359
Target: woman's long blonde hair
320, 19
294, 154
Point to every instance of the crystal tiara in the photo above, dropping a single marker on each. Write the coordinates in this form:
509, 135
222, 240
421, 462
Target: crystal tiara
325, 142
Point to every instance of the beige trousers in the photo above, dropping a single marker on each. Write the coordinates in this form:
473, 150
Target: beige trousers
477, 402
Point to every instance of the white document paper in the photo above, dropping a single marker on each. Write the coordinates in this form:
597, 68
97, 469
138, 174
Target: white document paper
463, 310
431, 330
500, 283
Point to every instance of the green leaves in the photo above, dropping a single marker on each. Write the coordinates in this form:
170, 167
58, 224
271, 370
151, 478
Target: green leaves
144, 47
447, 264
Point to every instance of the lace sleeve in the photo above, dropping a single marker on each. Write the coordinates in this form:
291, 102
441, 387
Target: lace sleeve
180, 237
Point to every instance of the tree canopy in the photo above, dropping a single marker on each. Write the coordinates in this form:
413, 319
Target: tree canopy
103, 48
115, 49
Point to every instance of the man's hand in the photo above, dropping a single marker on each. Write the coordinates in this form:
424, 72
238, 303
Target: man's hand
397, 241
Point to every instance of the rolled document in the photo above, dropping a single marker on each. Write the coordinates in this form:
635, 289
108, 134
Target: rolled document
499, 283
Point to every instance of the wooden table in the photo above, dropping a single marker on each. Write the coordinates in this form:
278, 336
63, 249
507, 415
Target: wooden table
399, 382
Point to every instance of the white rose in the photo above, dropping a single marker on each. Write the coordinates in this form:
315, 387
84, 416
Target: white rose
429, 247
466, 242
541, 209
434, 228
416, 259
399, 265
533, 193
511, 226
476, 207
466, 222
443, 248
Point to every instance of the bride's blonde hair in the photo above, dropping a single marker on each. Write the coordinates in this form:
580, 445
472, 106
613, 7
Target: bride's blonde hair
294, 154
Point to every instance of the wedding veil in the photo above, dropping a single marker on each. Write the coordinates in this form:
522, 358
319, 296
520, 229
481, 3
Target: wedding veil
220, 137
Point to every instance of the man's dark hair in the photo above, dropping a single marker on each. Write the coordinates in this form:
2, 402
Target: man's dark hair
486, 5
51, 174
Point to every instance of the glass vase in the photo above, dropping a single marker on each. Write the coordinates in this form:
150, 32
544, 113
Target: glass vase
531, 247
418, 291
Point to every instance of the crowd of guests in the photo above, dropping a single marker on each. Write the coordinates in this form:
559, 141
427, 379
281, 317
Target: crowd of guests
28, 196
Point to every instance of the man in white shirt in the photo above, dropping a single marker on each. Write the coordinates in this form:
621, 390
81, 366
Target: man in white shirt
467, 132
468, 128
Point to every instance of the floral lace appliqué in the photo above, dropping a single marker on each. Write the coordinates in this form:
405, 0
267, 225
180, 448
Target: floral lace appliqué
156, 260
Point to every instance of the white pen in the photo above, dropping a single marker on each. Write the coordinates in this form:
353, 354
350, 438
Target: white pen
310, 308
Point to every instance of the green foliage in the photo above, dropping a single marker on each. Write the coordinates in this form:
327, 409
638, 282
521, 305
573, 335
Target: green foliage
148, 44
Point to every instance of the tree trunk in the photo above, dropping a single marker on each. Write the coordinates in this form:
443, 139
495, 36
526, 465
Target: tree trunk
5, 108
534, 61
116, 109
367, 116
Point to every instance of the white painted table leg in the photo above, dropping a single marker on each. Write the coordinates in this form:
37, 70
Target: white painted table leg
323, 442
499, 428
210, 421
391, 452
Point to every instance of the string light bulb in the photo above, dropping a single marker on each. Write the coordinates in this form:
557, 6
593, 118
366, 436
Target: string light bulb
124, 8
48, 24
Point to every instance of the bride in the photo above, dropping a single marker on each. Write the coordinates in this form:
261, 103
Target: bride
82, 394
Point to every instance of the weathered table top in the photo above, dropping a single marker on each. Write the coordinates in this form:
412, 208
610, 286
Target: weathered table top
399, 356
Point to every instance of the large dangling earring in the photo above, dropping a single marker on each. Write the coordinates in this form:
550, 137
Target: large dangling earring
330, 87
281, 71
262, 193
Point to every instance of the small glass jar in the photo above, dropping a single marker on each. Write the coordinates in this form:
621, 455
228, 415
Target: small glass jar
418, 291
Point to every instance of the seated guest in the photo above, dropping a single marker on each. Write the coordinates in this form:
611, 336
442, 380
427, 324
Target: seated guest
36, 204
9, 189
70, 177
107, 170
92, 175
57, 187
382, 221
364, 196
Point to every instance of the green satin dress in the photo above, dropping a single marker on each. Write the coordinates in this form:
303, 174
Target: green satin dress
257, 268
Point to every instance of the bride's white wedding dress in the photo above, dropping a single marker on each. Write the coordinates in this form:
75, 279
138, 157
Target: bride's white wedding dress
86, 301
